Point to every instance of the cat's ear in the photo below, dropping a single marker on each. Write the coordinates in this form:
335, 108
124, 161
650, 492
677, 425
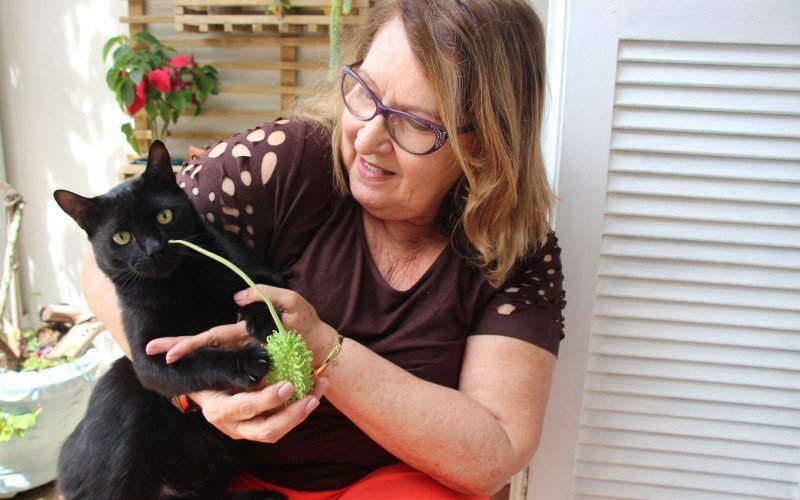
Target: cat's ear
85, 211
159, 167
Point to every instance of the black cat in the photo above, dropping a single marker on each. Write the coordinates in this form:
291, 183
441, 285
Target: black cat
133, 443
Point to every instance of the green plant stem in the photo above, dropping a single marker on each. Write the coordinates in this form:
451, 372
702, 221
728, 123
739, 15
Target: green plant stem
241, 274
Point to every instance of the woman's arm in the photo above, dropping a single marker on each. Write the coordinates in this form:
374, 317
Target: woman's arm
101, 298
472, 439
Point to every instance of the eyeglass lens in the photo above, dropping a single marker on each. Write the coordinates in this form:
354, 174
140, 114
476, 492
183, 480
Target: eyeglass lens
412, 135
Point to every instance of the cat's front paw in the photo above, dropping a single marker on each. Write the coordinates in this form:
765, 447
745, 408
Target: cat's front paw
258, 320
252, 363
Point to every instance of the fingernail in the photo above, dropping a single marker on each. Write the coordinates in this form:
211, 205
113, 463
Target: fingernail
312, 405
151, 347
323, 385
240, 296
169, 358
286, 390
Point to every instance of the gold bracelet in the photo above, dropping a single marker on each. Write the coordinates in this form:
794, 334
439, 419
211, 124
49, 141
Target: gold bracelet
331, 359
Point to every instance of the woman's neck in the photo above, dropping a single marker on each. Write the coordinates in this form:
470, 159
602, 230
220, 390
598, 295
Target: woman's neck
402, 251
404, 235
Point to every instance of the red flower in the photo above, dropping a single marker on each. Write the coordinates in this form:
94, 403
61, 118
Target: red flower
175, 79
181, 60
159, 78
140, 96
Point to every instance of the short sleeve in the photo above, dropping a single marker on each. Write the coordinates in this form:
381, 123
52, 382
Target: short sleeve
269, 186
529, 305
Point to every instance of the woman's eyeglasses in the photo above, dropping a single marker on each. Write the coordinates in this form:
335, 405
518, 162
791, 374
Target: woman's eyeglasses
411, 132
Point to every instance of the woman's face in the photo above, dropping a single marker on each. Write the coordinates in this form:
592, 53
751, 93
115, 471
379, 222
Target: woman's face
389, 182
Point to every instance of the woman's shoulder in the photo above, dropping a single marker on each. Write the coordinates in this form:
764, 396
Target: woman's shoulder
529, 304
263, 179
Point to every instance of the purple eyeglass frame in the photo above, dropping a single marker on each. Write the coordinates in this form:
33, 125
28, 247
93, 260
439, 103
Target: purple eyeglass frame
386, 111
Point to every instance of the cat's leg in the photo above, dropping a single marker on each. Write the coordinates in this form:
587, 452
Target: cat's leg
258, 320
206, 368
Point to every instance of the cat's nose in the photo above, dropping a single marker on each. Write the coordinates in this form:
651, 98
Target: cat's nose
153, 248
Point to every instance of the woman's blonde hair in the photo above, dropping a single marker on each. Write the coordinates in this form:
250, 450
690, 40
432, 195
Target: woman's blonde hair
485, 60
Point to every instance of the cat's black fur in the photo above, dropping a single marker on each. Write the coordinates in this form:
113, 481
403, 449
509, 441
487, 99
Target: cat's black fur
133, 443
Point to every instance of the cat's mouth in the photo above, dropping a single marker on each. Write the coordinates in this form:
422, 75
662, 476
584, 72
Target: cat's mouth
155, 269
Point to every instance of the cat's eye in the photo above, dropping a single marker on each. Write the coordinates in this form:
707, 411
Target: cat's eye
164, 216
121, 238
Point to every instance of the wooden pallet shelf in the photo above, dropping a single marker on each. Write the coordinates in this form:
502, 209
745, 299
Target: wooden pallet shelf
305, 16
264, 59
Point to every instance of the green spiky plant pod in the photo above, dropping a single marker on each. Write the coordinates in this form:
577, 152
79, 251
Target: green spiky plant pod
291, 361
290, 358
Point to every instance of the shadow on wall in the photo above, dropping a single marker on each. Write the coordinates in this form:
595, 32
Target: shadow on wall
60, 128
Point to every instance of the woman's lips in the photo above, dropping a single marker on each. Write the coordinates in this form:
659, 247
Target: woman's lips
371, 172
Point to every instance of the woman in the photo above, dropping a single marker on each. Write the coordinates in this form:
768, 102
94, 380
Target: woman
428, 250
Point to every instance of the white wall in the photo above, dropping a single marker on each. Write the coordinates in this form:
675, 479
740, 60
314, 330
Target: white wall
60, 128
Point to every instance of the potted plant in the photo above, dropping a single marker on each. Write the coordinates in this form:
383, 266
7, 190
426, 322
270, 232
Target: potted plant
46, 376
149, 77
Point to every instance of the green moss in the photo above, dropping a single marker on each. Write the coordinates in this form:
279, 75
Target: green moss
291, 361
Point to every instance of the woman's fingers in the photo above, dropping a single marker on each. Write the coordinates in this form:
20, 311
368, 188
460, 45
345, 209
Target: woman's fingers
269, 428
224, 336
163, 344
280, 297
250, 415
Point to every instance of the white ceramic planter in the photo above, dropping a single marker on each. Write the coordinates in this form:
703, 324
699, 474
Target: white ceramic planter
62, 392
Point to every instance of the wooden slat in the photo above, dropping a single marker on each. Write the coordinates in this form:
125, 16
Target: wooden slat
724, 100
299, 41
258, 89
699, 209
267, 114
708, 122
693, 446
145, 19
653, 405
713, 76
770, 56
710, 166
667, 228
250, 19
260, 3
742, 146
270, 65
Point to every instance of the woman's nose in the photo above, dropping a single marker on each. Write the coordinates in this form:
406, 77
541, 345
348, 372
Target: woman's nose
373, 137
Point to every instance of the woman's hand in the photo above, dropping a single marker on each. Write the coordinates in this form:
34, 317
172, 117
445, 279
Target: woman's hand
258, 415
296, 314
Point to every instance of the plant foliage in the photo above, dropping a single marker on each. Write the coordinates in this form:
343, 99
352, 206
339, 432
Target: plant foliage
147, 75
12, 425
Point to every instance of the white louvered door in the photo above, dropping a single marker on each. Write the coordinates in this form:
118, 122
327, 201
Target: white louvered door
680, 223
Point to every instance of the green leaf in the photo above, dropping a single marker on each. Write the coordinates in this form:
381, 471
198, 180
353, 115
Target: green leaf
146, 37
206, 85
136, 75
16, 425
122, 53
127, 129
178, 102
110, 43
127, 92
112, 79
